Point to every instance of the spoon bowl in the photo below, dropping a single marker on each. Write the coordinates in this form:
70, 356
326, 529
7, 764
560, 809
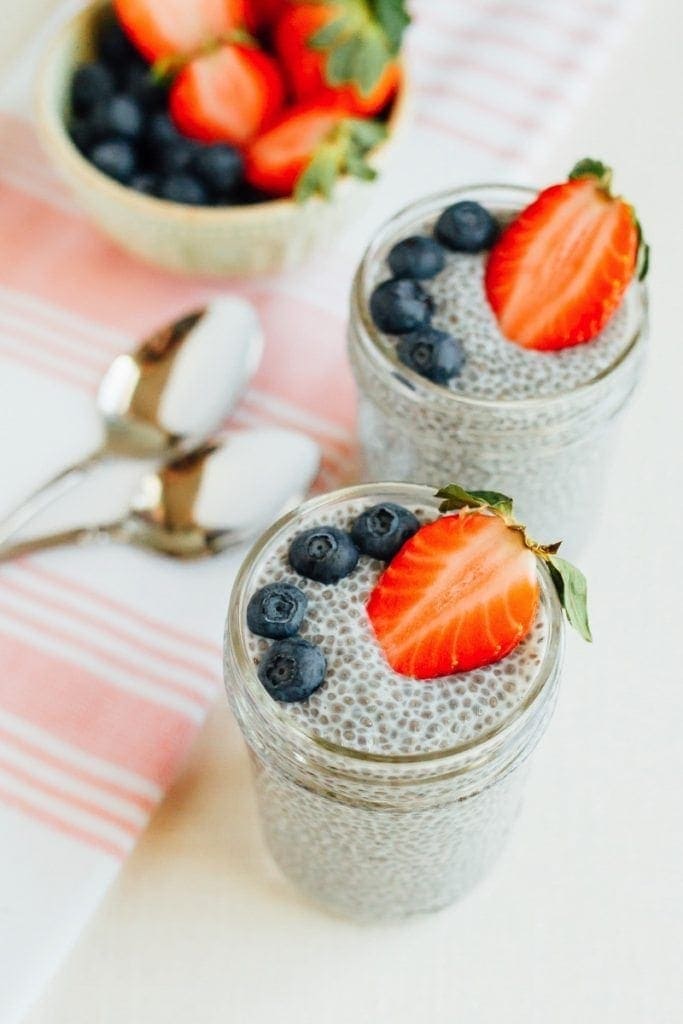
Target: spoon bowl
218, 495
163, 398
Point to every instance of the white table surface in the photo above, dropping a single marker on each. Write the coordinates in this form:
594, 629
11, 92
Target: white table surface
581, 920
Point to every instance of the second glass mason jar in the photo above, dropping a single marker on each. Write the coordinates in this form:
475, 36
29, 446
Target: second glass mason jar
551, 453
374, 836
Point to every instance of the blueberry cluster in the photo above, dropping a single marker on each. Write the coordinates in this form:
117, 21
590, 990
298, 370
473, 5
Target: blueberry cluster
293, 668
120, 124
402, 306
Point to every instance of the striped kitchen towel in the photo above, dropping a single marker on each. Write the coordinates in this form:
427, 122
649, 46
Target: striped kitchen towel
109, 657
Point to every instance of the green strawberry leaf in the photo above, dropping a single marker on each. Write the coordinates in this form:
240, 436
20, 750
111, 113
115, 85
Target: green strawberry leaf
456, 497
572, 590
394, 20
500, 502
319, 177
361, 41
366, 134
643, 257
643, 264
359, 168
341, 62
589, 168
370, 59
342, 151
328, 35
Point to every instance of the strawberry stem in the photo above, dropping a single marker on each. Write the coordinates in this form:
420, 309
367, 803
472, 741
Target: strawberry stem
569, 582
343, 151
166, 68
589, 168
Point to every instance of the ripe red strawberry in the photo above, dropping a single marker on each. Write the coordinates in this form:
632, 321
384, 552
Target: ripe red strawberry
164, 28
308, 148
324, 50
227, 95
461, 593
560, 269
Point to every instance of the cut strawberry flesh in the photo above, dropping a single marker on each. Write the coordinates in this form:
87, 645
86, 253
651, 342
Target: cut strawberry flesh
460, 594
164, 28
226, 96
559, 271
276, 159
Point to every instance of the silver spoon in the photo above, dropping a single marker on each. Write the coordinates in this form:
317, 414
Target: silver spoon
160, 400
217, 495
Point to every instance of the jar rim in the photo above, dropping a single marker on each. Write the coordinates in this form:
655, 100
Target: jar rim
369, 338
252, 696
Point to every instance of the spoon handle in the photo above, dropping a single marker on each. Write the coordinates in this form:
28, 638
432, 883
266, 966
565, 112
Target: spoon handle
48, 492
75, 535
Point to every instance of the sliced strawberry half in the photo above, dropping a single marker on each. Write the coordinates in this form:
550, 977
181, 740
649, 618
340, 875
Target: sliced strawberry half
560, 270
308, 148
461, 593
165, 28
340, 49
464, 590
227, 95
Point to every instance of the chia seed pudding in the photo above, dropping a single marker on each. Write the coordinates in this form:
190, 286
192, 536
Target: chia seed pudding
535, 424
382, 795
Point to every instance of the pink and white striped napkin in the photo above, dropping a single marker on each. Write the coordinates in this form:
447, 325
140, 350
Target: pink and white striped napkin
110, 657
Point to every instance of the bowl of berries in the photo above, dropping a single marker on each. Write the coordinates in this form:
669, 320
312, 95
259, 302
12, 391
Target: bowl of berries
223, 136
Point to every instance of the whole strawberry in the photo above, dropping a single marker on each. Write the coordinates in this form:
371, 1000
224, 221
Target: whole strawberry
560, 270
463, 591
343, 47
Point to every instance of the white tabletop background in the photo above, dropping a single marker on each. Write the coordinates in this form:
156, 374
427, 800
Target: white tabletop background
581, 920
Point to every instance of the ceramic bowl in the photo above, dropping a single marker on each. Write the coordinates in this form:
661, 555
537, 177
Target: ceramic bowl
250, 239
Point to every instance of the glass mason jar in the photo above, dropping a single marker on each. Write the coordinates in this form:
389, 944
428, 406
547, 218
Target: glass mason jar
376, 837
550, 454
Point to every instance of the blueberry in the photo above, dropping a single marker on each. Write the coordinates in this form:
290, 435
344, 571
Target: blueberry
115, 47
168, 151
323, 553
114, 157
219, 167
291, 670
161, 130
417, 256
81, 134
433, 354
276, 610
175, 158
145, 182
91, 83
118, 115
137, 81
183, 188
466, 227
381, 531
400, 305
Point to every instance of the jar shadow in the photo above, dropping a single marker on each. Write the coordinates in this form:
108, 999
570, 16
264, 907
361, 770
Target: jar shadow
209, 823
